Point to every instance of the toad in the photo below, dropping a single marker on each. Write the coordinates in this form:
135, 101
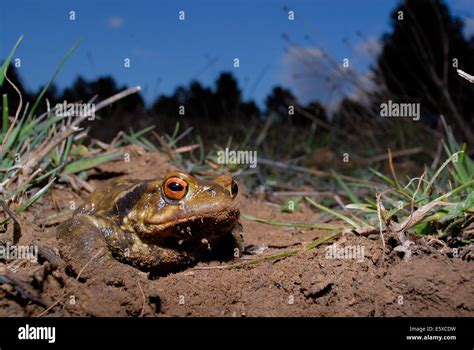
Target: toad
156, 226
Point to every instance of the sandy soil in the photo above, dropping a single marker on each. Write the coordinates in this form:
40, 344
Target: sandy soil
306, 284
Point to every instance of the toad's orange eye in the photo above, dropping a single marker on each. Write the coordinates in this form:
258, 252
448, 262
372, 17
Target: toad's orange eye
175, 188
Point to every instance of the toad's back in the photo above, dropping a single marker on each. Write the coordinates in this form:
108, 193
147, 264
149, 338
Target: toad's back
114, 199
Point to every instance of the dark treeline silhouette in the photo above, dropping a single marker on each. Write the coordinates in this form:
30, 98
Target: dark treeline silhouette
202, 108
417, 63
206, 104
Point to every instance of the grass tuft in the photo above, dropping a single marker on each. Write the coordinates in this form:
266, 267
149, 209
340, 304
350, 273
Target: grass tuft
37, 150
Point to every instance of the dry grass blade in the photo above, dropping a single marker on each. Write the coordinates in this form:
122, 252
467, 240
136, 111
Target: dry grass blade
143, 297
185, 149
396, 154
468, 77
392, 168
117, 97
95, 256
414, 218
34, 158
379, 217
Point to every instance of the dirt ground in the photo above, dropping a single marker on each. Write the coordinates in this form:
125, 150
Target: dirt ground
432, 283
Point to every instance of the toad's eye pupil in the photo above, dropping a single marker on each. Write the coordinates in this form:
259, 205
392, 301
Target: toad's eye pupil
235, 188
175, 187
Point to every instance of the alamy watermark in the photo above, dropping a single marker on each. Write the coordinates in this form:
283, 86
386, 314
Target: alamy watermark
404, 110
77, 109
19, 252
227, 156
37, 333
350, 252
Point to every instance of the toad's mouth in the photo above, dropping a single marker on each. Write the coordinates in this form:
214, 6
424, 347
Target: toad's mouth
193, 228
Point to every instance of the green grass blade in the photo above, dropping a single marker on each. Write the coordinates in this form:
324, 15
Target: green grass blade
459, 209
344, 186
438, 172
6, 64
383, 177
144, 131
292, 224
37, 196
202, 154
461, 173
333, 213
11, 139
5, 121
32, 124
368, 208
175, 132
457, 189
85, 164
317, 242
58, 68
52, 172
151, 147
67, 149
134, 137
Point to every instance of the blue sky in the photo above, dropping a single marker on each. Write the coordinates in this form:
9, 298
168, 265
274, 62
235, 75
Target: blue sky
165, 52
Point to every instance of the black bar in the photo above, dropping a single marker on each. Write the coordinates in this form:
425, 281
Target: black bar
82, 331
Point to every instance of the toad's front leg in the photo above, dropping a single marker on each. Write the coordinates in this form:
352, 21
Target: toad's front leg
83, 245
93, 247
